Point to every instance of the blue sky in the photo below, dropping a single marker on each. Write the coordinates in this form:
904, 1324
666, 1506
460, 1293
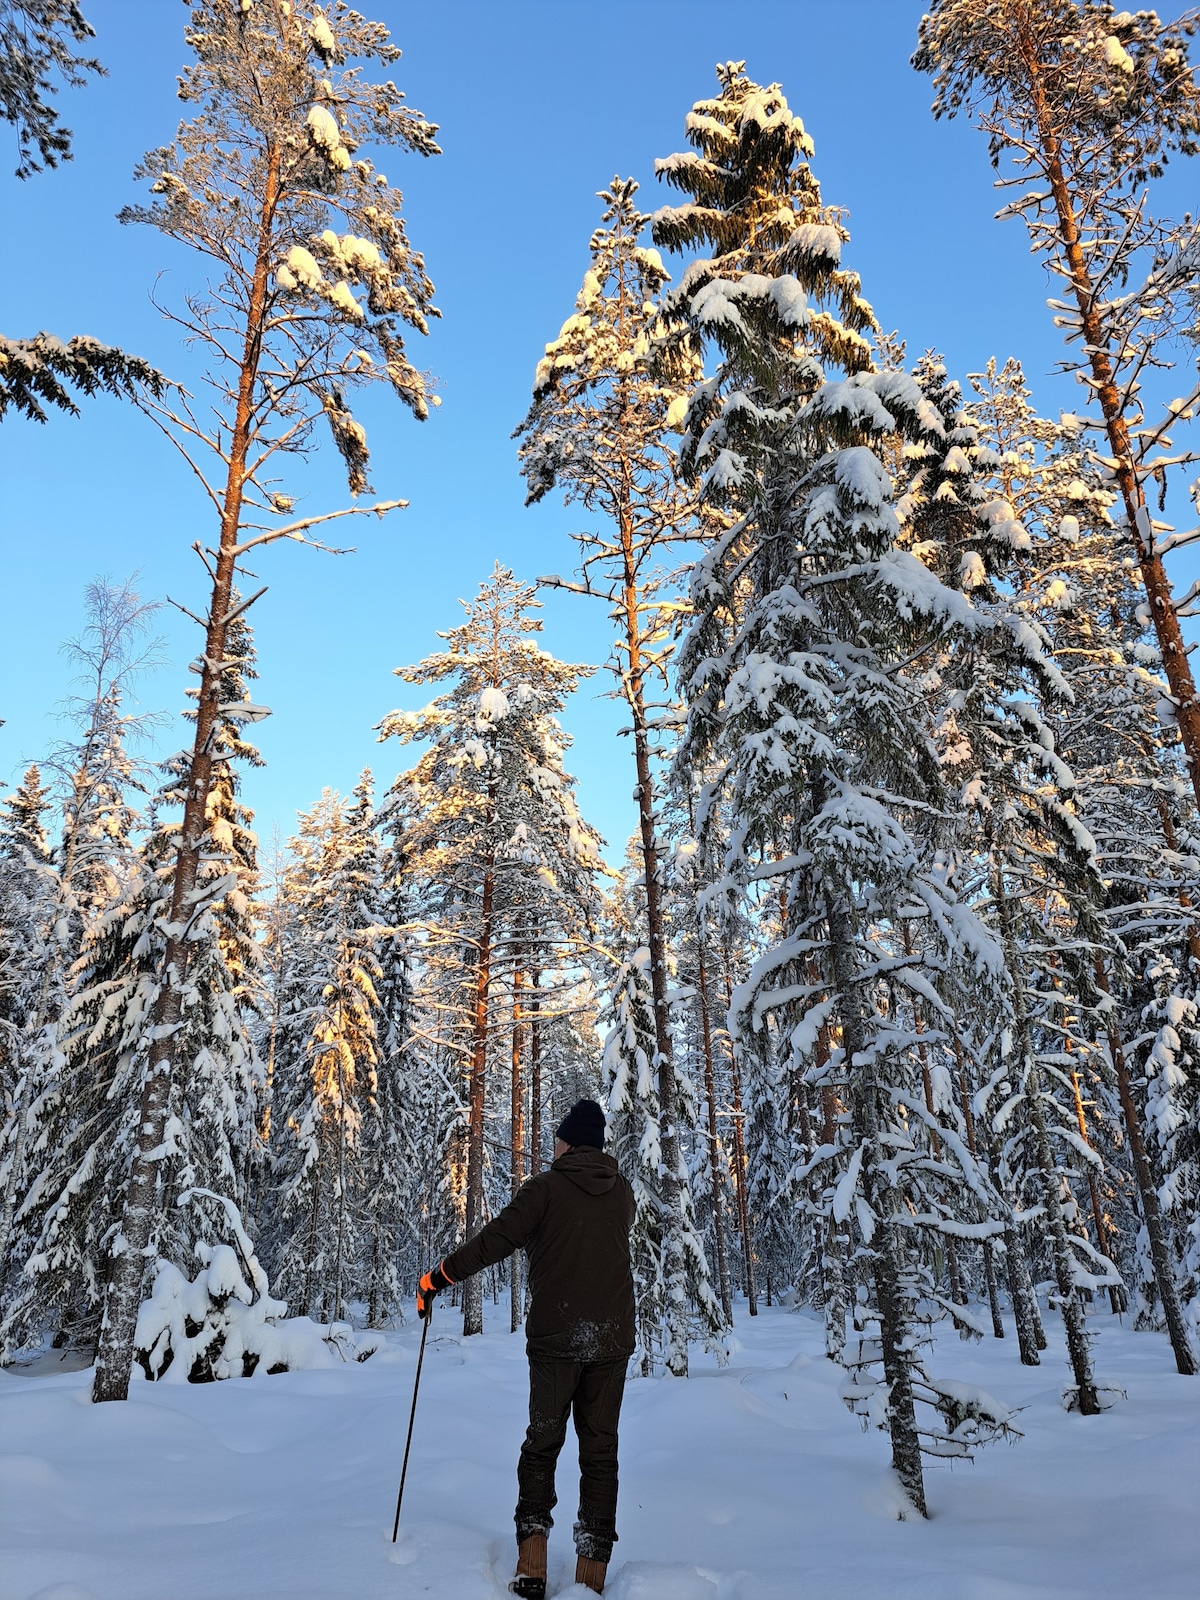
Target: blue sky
539, 104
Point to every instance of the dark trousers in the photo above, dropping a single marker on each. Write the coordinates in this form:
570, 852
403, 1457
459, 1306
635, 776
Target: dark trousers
591, 1391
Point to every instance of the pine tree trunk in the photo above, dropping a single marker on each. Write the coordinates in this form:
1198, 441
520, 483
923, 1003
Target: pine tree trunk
133, 1248
989, 1278
375, 1299
1089, 298
310, 1255
833, 1286
957, 1292
16, 1161
473, 1287
714, 1162
517, 1146
833, 1267
739, 1156
1039, 1330
1030, 1337
1160, 1256
1116, 1298
885, 1250
989, 1259
1070, 1306
341, 1191
671, 1175
535, 1076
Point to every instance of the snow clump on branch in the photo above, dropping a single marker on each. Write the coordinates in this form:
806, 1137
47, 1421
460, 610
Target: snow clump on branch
327, 137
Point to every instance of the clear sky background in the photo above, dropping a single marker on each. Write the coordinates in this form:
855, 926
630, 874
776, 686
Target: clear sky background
540, 102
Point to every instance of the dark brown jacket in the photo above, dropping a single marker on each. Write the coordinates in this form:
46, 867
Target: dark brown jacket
574, 1222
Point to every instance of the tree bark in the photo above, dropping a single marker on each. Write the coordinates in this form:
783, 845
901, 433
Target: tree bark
1116, 1298
957, 1292
989, 1258
341, 1185
22, 1076
535, 1076
1021, 1293
133, 1247
670, 1176
884, 1248
833, 1256
517, 1146
310, 1257
473, 1287
1074, 1322
739, 1163
714, 1163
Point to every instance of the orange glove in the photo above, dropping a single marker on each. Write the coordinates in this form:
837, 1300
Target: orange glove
432, 1282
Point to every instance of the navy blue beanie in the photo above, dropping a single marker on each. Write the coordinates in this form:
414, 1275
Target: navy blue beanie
583, 1124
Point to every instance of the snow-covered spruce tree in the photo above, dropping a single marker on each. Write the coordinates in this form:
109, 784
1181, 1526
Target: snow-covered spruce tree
756, 206
413, 1143
86, 1123
1048, 933
825, 730
79, 1155
391, 1158
497, 831
293, 981
1017, 792
799, 673
1036, 872
951, 519
92, 861
33, 940
630, 1087
748, 185
1083, 105
231, 822
737, 940
262, 182
1081, 590
325, 1059
634, 1123
240, 932
23, 833
690, 913
599, 429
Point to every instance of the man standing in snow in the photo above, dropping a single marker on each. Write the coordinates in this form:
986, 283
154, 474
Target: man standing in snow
574, 1222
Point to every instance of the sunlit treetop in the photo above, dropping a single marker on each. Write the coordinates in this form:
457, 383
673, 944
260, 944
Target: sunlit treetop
269, 180
756, 204
1116, 85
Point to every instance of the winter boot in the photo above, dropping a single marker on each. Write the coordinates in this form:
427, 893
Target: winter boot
591, 1573
530, 1581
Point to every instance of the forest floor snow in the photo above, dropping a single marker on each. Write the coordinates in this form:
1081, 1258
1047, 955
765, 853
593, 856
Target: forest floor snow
749, 1483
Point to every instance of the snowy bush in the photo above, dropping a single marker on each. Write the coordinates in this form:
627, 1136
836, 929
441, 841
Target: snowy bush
218, 1325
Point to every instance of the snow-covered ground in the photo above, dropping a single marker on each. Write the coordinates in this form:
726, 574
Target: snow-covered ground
753, 1483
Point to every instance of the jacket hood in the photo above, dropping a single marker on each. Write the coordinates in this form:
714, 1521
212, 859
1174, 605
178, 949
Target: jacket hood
592, 1170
